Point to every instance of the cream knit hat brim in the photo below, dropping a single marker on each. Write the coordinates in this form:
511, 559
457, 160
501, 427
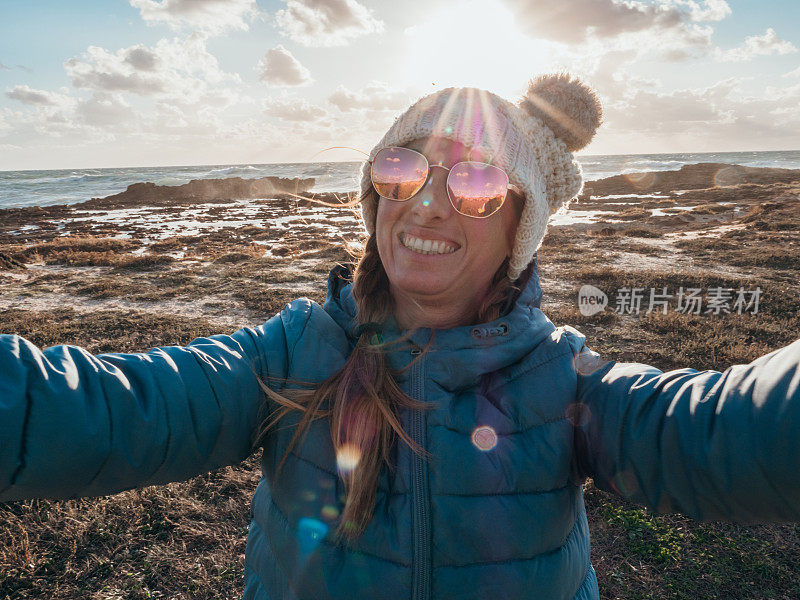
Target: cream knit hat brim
521, 140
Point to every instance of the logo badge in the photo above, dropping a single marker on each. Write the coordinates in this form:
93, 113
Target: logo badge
591, 300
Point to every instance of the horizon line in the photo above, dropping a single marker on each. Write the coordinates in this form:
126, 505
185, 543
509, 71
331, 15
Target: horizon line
577, 155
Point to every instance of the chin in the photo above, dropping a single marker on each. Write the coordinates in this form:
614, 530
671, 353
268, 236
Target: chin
427, 284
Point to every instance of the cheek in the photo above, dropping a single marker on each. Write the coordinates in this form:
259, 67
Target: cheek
384, 220
493, 240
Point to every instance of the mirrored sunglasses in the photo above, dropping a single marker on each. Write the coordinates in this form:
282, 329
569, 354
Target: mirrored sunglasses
475, 189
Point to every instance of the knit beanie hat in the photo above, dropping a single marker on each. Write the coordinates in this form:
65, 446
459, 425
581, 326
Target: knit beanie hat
531, 141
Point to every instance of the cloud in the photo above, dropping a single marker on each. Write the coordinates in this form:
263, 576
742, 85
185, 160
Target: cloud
375, 95
183, 98
757, 45
279, 67
293, 109
642, 115
710, 10
212, 16
189, 121
4, 67
326, 22
141, 58
673, 111
672, 23
573, 21
178, 67
676, 45
104, 110
34, 97
795, 73
104, 71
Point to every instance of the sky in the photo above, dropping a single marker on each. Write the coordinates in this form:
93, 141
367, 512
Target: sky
87, 84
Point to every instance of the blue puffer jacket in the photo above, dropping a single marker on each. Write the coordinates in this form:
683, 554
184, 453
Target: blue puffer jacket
521, 412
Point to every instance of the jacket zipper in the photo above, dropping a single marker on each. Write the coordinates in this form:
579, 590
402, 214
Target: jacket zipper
422, 529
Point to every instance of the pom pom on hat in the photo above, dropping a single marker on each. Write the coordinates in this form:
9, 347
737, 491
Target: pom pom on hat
567, 106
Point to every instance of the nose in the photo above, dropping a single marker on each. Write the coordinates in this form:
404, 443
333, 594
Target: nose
432, 202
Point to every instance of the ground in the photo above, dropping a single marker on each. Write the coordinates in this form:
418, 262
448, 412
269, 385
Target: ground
114, 277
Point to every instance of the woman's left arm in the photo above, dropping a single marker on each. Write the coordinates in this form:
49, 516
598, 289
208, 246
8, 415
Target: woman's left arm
711, 445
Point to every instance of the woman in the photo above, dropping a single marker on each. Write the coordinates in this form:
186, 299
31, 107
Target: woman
435, 426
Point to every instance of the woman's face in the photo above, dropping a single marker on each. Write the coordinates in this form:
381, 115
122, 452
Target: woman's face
480, 245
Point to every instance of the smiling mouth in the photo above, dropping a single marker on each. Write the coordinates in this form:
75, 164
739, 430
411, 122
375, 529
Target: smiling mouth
423, 246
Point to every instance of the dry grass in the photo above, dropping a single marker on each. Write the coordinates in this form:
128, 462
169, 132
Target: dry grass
181, 540
712, 209
108, 258
642, 232
633, 213
644, 249
641, 556
104, 330
77, 244
186, 540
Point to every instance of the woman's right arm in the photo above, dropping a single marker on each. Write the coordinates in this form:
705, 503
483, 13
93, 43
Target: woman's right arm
73, 424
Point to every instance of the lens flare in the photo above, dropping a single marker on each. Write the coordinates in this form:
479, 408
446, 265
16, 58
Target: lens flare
625, 483
726, 177
484, 438
347, 457
310, 533
641, 181
329, 512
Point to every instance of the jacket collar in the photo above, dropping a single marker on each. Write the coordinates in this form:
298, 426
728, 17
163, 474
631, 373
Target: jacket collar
461, 355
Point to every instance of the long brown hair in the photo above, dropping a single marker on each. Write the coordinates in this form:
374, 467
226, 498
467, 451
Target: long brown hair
363, 398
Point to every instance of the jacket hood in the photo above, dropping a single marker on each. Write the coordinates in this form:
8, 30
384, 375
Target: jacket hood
471, 351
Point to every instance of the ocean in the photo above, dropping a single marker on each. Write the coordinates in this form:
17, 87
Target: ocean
70, 186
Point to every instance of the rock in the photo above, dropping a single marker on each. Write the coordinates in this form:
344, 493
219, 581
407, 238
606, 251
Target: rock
200, 190
691, 177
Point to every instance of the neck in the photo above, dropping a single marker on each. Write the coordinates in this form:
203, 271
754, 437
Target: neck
412, 312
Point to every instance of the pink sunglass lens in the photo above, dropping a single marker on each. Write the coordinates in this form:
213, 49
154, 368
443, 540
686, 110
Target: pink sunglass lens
399, 173
477, 189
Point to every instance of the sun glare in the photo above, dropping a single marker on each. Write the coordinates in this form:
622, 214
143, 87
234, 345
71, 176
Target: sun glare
477, 45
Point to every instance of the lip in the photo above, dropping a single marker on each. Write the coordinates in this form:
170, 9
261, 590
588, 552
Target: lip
428, 235
425, 235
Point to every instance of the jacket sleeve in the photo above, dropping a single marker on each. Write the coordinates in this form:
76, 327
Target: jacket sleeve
74, 425
711, 445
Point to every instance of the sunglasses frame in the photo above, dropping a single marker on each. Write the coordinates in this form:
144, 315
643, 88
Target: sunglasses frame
449, 170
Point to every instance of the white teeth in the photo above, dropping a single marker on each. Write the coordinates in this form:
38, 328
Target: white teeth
426, 246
